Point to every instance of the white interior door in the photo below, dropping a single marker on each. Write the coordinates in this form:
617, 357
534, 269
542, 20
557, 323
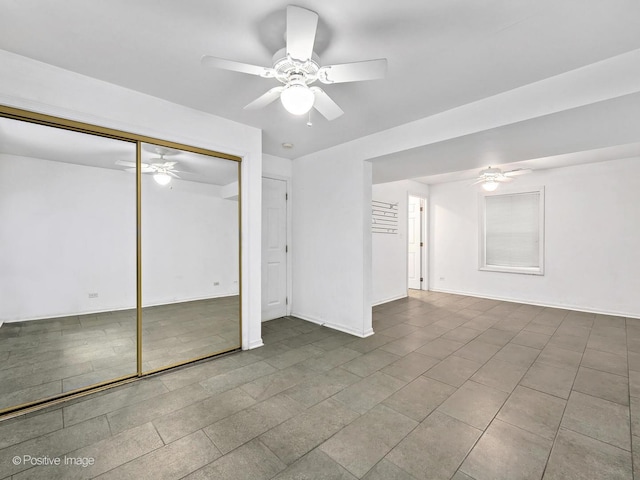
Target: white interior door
274, 248
414, 236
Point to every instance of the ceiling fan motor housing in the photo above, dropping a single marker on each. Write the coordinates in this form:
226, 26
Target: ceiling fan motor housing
289, 70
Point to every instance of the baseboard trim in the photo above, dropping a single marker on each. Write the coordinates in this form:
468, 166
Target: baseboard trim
255, 344
390, 299
577, 308
333, 326
120, 309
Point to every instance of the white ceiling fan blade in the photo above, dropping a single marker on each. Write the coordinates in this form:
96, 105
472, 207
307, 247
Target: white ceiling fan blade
516, 172
354, 72
143, 170
215, 62
172, 174
266, 99
301, 32
323, 103
124, 163
503, 178
480, 180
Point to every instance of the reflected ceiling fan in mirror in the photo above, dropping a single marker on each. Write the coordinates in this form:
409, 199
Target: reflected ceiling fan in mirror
491, 177
161, 170
297, 67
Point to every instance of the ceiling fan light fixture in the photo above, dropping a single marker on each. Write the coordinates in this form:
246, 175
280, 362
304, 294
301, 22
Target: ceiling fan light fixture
297, 98
162, 178
490, 185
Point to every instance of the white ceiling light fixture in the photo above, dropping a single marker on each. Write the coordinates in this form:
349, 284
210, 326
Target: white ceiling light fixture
297, 67
297, 98
162, 178
490, 178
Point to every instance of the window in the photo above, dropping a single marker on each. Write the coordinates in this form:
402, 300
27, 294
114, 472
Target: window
512, 231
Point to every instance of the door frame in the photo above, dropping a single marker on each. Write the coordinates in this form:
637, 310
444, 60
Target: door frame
287, 181
424, 234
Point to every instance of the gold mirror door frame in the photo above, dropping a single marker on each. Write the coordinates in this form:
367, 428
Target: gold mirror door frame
98, 166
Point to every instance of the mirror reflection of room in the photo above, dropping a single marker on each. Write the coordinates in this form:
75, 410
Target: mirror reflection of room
190, 245
67, 261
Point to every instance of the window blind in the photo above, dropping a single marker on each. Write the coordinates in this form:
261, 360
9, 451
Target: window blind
512, 230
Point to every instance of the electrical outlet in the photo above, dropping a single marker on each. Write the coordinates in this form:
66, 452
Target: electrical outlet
216, 284
93, 295
442, 279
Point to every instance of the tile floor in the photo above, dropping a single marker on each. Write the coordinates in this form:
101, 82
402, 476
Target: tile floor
449, 387
43, 358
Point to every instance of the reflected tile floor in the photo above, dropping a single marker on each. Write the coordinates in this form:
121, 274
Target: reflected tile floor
43, 358
449, 387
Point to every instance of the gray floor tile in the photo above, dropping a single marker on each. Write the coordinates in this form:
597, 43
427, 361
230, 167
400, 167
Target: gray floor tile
234, 430
603, 385
331, 359
474, 404
20, 430
453, 370
568, 341
107, 454
560, 357
364, 345
370, 362
169, 462
575, 456
440, 348
531, 339
634, 383
462, 334
404, 345
272, 384
297, 436
155, 407
54, 444
636, 456
506, 452
365, 441
321, 386
597, 418
368, 392
533, 411
606, 362
607, 344
235, 378
635, 415
496, 337
315, 465
385, 470
500, 374
410, 366
194, 417
517, 354
419, 398
548, 379
478, 351
436, 448
294, 356
252, 461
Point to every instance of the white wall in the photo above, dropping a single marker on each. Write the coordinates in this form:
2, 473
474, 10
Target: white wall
332, 242
276, 166
389, 252
592, 233
35, 86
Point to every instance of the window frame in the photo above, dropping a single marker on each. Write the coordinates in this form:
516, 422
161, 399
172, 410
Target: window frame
482, 251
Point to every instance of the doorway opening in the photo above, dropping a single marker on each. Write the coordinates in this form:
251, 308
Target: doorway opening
416, 244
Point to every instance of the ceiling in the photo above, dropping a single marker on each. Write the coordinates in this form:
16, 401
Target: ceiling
25, 139
443, 56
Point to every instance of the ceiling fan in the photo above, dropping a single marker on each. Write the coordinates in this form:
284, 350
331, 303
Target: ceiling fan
297, 67
491, 177
161, 169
